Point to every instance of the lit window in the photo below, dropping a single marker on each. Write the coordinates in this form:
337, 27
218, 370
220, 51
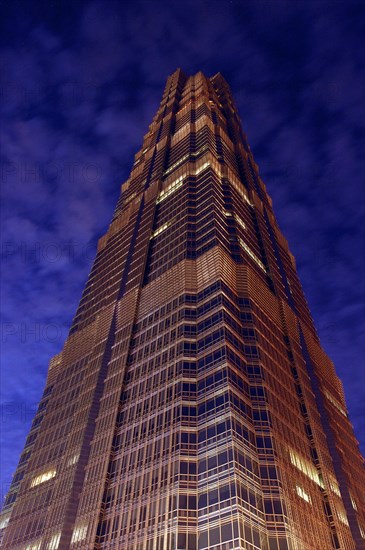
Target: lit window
171, 188
238, 186
201, 168
353, 502
362, 531
342, 516
303, 494
251, 254
4, 522
73, 460
334, 486
42, 478
79, 532
160, 229
201, 150
54, 542
176, 164
130, 198
335, 402
240, 222
306, 467
179, 182
34, 545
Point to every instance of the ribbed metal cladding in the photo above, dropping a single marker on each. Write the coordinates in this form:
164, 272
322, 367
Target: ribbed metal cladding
192, 406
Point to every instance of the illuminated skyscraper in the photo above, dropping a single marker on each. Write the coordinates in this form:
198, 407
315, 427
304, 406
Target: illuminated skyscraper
192, 406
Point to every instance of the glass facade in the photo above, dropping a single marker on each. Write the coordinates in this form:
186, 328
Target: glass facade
192, 406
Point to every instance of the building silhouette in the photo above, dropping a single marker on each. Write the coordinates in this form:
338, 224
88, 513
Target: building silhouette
192, 406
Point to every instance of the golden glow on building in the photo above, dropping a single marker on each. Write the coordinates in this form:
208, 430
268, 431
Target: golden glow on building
46, 476
79, 533
303, 494
192, 406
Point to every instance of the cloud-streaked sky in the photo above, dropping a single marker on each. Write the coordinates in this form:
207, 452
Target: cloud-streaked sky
82, 81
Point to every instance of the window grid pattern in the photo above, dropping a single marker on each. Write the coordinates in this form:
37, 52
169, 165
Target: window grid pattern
192, 407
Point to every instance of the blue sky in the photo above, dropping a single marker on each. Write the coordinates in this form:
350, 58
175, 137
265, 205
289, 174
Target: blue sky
81, 83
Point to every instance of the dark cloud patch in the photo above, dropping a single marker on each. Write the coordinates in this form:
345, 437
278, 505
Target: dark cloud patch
82, 81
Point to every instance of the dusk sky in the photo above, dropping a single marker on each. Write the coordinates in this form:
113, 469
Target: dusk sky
81, 82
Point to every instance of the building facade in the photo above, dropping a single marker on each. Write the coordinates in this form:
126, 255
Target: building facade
192, 406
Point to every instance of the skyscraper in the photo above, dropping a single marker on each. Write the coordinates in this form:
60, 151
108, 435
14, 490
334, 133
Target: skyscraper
192, 406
